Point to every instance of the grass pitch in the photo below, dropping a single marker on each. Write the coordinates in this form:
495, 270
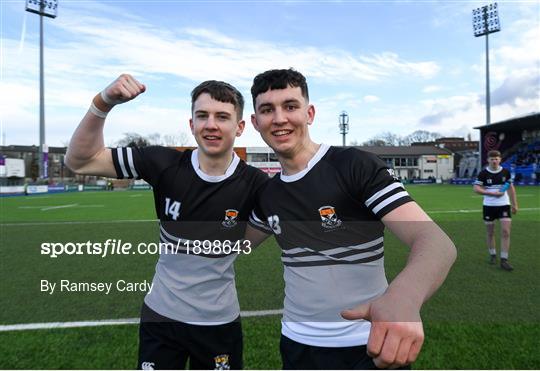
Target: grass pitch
482, 317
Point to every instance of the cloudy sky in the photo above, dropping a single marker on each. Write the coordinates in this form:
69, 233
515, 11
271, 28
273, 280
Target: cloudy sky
395, 66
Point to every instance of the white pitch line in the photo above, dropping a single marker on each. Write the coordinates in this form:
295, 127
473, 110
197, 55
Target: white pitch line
45, 208
473, 211
111, 322
519, 196
53, 325
78, 222
58, 207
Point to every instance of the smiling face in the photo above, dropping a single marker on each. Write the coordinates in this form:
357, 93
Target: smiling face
215, 125
282, 117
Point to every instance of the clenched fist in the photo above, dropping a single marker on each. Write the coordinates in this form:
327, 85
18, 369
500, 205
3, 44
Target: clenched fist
121, 90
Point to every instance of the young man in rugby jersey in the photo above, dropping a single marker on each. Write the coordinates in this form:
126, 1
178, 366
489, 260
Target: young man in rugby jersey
495, 184
192, 312
328, 209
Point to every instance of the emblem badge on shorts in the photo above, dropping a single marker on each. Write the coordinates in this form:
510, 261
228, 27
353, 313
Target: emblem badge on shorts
222, 362
147, 365
329, 217
231, 218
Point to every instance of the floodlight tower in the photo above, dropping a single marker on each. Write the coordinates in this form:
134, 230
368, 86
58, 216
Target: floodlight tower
343, 125
47, 8
486, 21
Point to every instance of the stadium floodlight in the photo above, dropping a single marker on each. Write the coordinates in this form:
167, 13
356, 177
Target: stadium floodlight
43, 7
343, 125
486, 21
47, 8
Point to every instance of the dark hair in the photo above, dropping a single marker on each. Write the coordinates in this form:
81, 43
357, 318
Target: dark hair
278, 79
494, 153
222, 92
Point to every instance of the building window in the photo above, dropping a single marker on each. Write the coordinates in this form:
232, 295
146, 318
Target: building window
389, 161
257, 157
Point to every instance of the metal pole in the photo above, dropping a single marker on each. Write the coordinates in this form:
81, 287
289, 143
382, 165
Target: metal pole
488, 103
42, 173
344, 139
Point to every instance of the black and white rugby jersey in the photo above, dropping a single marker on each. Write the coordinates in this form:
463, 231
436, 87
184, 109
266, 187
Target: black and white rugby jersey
326, 220
494, 181
193, 206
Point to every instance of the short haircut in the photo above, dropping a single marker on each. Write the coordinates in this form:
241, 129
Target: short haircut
222, 92
494, 153
278, 79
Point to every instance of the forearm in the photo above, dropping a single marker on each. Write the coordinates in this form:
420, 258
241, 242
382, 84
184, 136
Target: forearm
481, 190
432, 255
513, 196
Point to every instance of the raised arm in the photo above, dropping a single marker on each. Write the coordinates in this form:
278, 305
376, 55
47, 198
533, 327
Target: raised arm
397, 335
86, 153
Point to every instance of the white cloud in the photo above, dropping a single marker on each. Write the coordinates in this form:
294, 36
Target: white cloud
431, 89
371, 99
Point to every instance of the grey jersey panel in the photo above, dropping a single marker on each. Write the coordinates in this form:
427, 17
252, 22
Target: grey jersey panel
190, 288
327, 290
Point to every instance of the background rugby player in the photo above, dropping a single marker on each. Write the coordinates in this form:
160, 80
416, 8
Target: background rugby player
495, 184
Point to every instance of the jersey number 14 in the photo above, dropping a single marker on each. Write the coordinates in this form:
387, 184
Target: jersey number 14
172, 209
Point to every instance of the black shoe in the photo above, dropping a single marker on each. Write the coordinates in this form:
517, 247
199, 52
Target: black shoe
506, 266
493, 259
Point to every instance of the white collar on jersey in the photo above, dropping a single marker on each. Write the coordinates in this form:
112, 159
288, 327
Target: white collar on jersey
213, 178
494, 171
314, 160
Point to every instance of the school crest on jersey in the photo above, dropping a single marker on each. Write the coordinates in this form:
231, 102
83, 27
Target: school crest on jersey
222, 362
231, 218
329, 217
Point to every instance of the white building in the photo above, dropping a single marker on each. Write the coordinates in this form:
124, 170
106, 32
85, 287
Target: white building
263, 158
414, 162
